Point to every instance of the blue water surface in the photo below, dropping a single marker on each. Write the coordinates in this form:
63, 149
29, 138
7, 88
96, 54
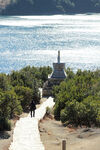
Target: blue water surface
35, 40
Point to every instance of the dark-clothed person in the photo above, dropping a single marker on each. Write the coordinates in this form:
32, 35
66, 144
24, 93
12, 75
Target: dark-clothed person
32, 108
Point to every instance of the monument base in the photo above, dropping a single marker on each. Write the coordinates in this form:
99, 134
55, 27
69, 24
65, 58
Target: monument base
48, 86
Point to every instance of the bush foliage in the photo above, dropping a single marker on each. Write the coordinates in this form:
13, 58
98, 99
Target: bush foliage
78, 98
18, 89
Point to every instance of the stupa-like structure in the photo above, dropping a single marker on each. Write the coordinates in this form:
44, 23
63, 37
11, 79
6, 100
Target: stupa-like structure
56, 77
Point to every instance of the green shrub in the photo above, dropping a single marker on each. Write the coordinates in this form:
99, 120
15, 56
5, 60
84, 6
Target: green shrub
48, 111
5, 124
18, 89
24, 95
84, 113
98, 119
77, 99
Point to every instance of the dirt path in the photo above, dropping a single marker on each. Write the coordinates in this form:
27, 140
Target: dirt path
52, 132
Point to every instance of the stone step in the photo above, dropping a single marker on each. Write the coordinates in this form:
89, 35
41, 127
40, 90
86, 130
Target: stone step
26, 134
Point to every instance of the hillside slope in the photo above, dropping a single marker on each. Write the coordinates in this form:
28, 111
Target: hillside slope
31, 7
3, 4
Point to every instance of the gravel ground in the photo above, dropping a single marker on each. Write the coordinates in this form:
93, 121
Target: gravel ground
52, 132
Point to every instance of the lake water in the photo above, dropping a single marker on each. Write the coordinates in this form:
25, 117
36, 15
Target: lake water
35, 40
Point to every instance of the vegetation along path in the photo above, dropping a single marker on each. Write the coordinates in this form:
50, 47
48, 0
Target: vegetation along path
26, 134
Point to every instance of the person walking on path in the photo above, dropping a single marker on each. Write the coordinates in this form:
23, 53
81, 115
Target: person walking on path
32, 108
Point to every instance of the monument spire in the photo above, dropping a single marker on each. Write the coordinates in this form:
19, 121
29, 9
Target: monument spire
58, 75
58, 57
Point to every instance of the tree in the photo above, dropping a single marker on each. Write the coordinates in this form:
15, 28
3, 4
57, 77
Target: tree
36, 93
77, 99
4, 82
25, 96
9, 106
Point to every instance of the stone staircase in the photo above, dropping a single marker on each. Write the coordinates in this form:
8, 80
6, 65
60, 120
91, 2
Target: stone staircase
26, 134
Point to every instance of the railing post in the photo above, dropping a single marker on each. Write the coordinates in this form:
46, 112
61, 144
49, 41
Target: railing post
63, 144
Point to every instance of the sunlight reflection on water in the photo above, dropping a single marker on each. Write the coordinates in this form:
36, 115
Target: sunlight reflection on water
35, 40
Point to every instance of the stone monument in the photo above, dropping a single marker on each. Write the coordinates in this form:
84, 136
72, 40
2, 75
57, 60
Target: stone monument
56, 77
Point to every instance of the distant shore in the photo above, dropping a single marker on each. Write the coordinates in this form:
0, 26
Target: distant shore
47, 7
50, 14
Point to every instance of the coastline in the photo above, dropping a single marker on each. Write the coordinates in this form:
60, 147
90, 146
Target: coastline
50, 14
